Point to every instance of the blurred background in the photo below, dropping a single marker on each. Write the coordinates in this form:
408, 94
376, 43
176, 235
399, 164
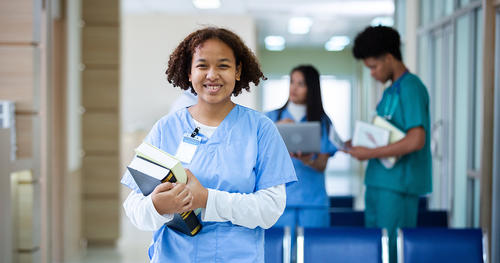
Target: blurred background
85, 80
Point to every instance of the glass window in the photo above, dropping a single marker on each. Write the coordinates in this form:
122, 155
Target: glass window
464, 2
336, 95
448, 8
400, 15
478, 111
426, 13
438, 8
478, 91
462, 83
423, 59
275, 93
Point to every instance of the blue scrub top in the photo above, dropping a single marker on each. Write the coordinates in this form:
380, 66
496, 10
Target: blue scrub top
412, 173
245, 154
309, 190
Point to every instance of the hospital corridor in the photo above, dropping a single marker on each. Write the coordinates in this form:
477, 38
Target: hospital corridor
311, 131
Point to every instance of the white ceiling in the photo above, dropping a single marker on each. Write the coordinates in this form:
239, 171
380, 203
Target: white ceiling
330, 17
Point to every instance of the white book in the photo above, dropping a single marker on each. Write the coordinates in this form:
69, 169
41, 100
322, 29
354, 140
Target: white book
154, 154
149, 168
334, 138
148, 175
369, 135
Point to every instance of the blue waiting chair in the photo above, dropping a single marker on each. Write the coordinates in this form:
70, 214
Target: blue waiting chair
277, 245
438, 245
347, 218
342, 201
432, 218
423, 203
346, 245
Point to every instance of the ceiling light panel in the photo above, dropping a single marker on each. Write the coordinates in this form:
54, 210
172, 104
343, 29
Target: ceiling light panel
299, 25
206, 4
275, 43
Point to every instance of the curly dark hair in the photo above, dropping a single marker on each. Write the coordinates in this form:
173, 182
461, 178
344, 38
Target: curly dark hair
179, 64
377, 41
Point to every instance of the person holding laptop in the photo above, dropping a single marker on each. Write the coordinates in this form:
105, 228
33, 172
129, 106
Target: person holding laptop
306, 200
391, 198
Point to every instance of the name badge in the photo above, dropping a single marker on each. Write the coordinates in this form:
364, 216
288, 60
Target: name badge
187, 148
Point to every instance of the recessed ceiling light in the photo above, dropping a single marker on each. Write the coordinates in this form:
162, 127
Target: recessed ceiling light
299, 25
337, 43
275, 43
354, 7
206, 4
383, 20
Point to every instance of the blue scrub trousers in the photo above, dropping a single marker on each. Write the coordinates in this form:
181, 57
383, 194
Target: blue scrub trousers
385, 208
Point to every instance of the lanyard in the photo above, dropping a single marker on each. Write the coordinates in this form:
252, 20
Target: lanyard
392, 96
188, 145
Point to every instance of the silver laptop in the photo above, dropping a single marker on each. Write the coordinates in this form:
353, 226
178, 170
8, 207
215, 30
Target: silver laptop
303, 136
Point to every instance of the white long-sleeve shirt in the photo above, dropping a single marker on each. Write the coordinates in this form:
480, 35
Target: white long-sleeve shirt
262, 208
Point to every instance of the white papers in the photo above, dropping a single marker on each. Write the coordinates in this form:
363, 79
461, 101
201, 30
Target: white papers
334, 138
369, 135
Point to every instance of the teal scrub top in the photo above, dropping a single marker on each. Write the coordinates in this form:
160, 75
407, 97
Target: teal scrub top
408, 99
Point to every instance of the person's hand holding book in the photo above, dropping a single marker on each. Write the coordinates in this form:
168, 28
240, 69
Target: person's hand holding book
170, 198
361, 153
200, 193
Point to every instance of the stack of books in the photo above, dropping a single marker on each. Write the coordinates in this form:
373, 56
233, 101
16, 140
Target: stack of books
151, 167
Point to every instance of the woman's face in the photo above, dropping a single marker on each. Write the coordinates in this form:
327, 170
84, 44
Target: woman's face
214, 72
298, 88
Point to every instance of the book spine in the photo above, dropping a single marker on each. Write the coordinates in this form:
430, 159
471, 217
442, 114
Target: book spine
169, 178
192, 222
190, 219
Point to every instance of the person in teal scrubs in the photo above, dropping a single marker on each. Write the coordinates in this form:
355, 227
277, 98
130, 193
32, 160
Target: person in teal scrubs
307, 201
391, 198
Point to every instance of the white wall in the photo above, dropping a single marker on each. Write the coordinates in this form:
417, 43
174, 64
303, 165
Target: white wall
147, 42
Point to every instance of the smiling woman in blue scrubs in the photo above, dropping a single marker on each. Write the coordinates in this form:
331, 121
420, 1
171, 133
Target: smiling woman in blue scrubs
238, 172
391, 197
307, 200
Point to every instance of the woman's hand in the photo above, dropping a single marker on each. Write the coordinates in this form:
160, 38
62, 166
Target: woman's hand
318, 164
169, 198
200, 193
305, 158
285, 120
361, 153
347, 145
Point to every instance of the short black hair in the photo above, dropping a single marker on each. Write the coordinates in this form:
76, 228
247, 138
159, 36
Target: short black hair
376, 41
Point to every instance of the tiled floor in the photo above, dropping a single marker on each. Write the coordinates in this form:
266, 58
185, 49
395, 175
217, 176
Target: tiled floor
133, 244
131, 247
